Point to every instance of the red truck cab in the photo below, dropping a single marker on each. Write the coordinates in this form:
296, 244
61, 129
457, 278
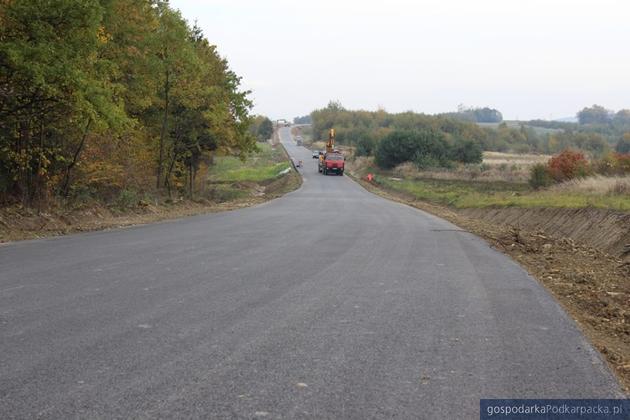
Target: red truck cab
333, 163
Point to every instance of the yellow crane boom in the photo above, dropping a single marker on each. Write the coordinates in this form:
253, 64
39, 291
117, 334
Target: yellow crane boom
330, 144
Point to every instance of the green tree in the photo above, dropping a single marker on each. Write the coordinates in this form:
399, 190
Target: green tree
262, 128
405, 145
365, 145
623, 145
466, 151
55, 88
594, 115
99, 93
210, 112
539, 176
176, 61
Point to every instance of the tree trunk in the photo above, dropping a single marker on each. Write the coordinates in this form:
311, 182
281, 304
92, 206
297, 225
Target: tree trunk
39, 184
25, 173
167, 179
163, 131
66, 180
191, 179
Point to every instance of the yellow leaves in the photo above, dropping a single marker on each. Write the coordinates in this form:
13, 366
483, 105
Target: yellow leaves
103, 174
102, 35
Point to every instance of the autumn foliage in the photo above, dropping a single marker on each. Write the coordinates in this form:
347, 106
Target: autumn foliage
614, 164
568, 164
97, 97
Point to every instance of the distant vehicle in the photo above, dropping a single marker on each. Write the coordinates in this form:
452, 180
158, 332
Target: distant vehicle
333, 162
283, 123
316, 154
298, 142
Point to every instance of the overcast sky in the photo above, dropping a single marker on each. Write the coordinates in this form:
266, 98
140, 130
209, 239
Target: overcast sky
527, 58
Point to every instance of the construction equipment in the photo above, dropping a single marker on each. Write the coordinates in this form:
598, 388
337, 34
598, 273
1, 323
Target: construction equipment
330, 144
332, 161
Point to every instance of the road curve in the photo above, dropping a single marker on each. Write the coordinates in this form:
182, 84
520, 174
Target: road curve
327, 303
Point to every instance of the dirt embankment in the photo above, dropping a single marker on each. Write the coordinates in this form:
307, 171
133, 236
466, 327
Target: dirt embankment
579, 255
606, 230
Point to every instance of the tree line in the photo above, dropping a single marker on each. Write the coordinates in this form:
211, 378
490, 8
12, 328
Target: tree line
480, 115
101, 95
366, 129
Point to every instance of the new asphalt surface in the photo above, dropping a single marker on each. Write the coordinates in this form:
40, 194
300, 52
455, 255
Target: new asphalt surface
329, 302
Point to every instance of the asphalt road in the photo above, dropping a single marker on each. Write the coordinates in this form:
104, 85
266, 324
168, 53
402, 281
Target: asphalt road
327, 303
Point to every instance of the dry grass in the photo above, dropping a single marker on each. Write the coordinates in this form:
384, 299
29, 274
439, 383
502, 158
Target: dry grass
595, 185
498, 158
483, 172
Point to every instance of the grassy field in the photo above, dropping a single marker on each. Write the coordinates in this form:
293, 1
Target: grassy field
472, 193
232, 179
262, 166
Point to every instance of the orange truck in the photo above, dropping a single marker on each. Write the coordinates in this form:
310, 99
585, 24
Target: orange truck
332, 161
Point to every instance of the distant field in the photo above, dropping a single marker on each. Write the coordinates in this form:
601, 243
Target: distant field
498, 158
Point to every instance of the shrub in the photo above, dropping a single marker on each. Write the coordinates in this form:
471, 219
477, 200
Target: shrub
623, 146
404, 146
614, 164
568, 164
127, 199
426, 161
539, 176
394, 149
466, 151
622, 163
431, 144
365, 146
